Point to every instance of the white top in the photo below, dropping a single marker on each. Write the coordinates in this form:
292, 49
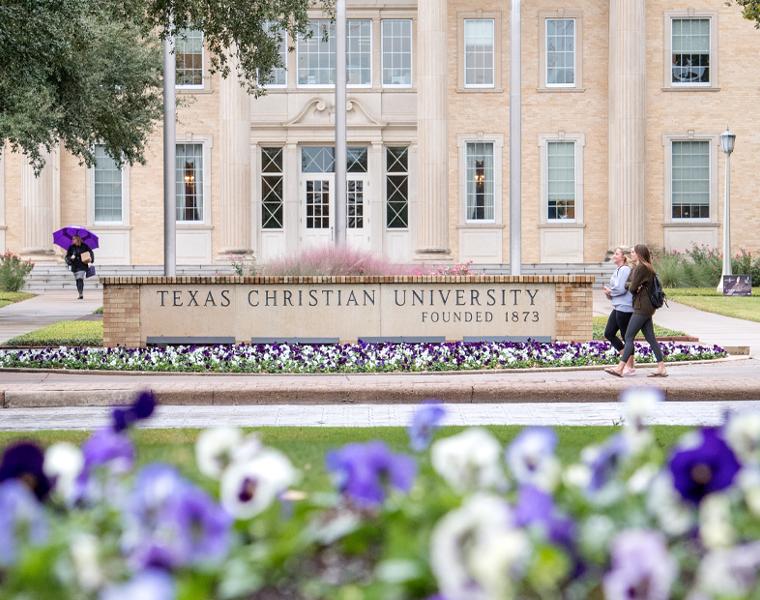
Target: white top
622, 299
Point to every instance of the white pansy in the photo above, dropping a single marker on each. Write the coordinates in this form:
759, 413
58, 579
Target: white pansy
64, 463
743, 435
596, 534
249, 487
577, 475
494, 550
218, 447
640, 404
729, 573
749, 483
715, 529
641, 479
84, 552
673, 515
470, 460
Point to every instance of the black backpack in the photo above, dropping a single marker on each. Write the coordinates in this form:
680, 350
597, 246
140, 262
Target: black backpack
656, 293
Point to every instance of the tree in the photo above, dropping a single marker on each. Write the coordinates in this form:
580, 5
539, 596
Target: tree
77, 72
751, 10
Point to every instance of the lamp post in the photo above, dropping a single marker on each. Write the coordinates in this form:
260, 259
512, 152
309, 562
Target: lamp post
340, 123
727, 140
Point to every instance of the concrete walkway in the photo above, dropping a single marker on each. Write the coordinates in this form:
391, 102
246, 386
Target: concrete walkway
708, 327
383, 415
22, 317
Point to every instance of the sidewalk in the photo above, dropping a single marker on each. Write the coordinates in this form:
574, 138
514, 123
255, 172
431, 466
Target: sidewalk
733, 379
383, 415
23, 317
708, 327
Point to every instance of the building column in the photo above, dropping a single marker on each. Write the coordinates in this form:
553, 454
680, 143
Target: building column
627, 85
235, 167
432, 223
38, 200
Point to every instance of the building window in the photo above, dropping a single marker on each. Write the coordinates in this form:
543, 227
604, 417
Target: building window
397, 187
560, 52
690, 49
356, 163
478, 53
108, 188
316, 54
189, 58
271, 188
480, 181
690, 179
560, 184
317, 159
359, 52
397, 52
279, 75
189, 161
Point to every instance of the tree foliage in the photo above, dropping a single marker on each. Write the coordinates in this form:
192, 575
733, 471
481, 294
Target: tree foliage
80, 72
750, 10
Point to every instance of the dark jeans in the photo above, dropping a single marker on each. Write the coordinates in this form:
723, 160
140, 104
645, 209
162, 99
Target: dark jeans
618, 321
636, 324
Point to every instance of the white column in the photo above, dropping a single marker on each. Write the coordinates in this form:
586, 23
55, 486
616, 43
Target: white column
432, 224
293, 199
37, 201
627, 84
375, 197
235, 167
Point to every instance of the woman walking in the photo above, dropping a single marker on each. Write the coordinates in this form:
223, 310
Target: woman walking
78, 257
622, 305
641, 279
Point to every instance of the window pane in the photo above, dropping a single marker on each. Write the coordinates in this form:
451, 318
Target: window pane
189, 58
561, 180
316, 55
359, 51
690, 180
480, 181
108, 192
479, 52
691, 50
397, 51
356, 159
271, 188
189, 161
396, 187
317, 159
279, 75
560, 52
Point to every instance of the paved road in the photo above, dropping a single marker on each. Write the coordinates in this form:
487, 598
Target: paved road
23, 317
731, 380
374, 415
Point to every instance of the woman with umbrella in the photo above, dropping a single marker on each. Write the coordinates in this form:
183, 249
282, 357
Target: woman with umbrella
79, 243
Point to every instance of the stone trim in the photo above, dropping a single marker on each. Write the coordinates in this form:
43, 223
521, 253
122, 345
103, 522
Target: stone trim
128, 282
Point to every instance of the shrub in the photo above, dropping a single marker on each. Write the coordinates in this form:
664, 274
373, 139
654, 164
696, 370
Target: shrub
701, 266
669, 267
13, 272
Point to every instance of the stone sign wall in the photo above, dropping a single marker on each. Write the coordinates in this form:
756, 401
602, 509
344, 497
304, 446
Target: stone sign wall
142, 309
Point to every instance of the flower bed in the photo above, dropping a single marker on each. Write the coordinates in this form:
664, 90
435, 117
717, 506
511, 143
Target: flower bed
345, 358
458, 518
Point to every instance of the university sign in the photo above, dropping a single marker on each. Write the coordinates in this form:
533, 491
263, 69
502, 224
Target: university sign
143, 310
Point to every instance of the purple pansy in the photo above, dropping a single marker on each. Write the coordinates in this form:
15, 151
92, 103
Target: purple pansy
24, 461
706, 467
531, 458
171, 523
362, 471
605, 461
22, 520
425, 421
642, 568
142, 408
535, 507
108, 447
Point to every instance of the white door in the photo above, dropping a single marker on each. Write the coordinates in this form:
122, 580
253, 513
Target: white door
316, 195
357, 211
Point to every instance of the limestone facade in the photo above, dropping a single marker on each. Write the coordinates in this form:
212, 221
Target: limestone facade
613, 150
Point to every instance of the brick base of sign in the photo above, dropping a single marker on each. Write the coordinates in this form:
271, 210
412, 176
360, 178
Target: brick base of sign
139, 310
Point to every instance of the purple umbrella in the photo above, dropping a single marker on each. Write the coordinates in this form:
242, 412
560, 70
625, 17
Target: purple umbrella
63, 236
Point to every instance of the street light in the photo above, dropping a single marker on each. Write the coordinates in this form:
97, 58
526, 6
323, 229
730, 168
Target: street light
727, 140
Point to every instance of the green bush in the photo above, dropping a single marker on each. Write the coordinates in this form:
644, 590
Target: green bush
701, 267
13, 272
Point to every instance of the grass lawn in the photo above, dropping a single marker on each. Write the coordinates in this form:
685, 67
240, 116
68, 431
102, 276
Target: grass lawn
306, 446
66, 333
601, 322
7, 298
707, 299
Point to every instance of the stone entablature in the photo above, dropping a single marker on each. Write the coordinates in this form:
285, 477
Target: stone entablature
139, 309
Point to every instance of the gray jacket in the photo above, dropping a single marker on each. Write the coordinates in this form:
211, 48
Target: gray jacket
622, 299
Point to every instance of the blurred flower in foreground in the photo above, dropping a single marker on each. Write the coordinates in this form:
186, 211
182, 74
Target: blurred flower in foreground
639, 405
743, 435
24, 462
531, 458
63, 465
702, 464
475, 551
642, 568
219, 447
536, 508
248, 487
22, 520
363, 471
469, 461
729, 573
148, 585
142, 408
425, 421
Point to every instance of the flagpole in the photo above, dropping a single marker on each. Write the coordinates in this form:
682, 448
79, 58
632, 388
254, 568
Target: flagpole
170, 173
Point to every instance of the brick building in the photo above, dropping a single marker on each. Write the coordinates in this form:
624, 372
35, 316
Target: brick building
623, 103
